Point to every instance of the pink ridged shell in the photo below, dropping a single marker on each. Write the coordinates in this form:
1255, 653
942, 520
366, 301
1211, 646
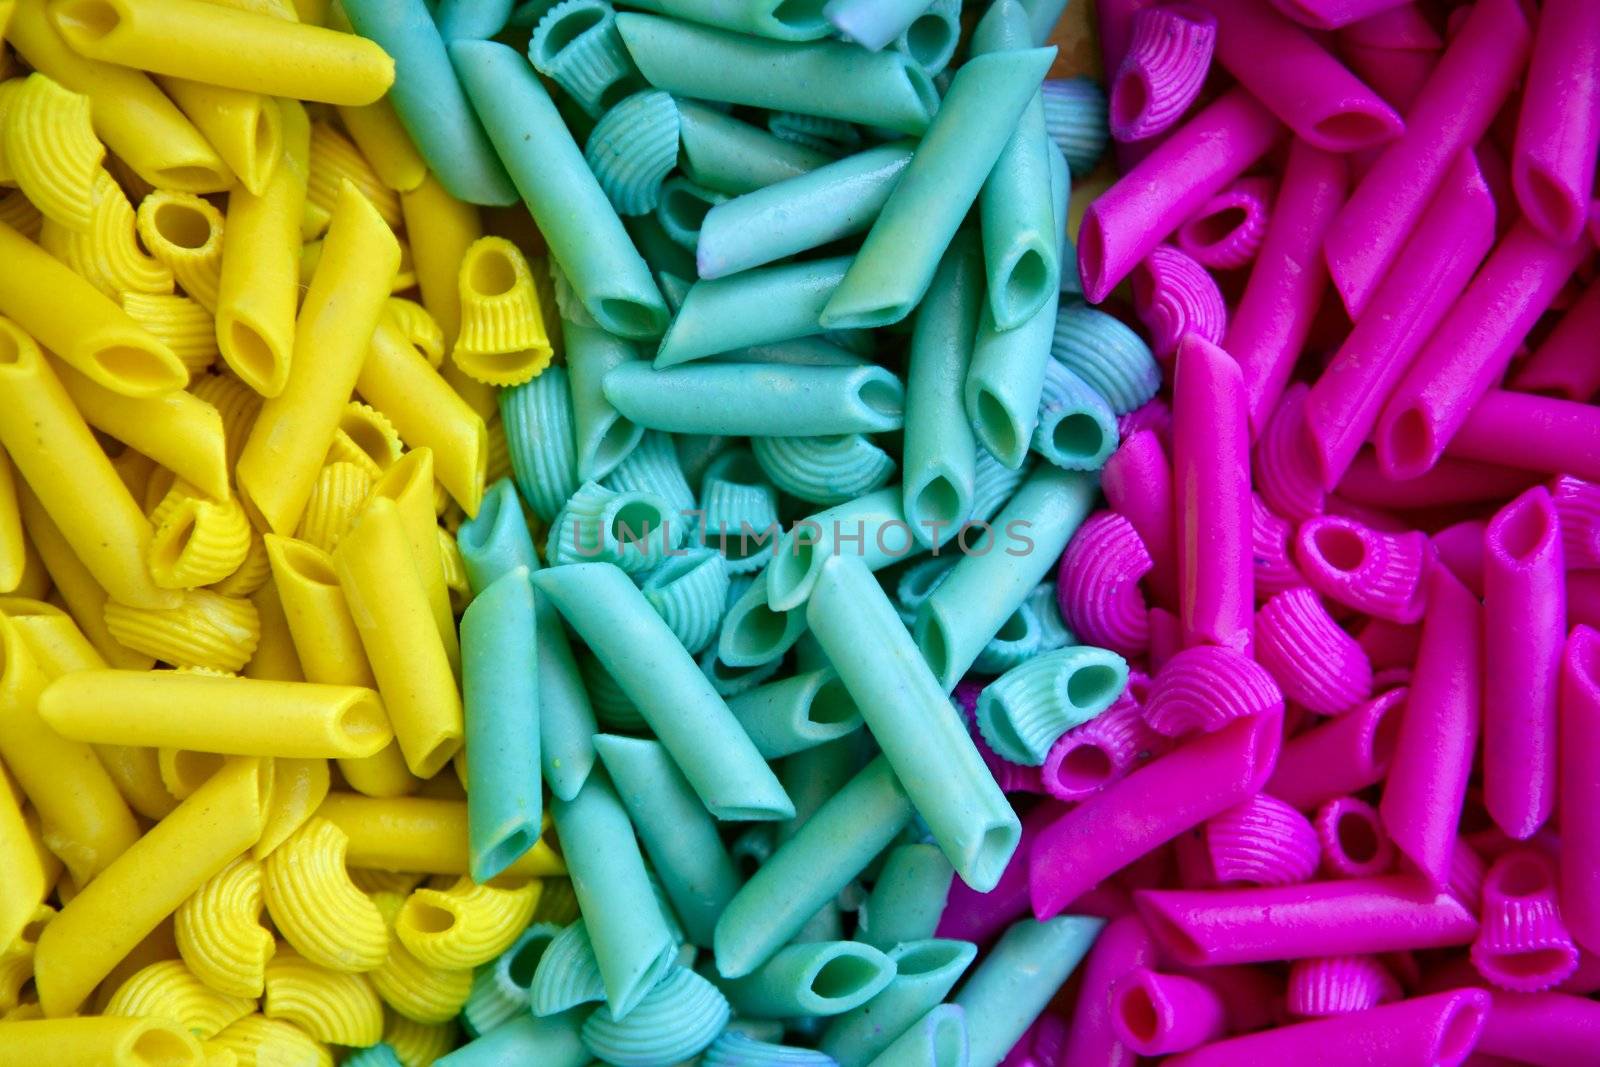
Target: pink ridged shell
1284, 472
1097, 586
1371, 571
1578, 505
1522, 944
1262, 841
1339, 985
1205, 688
1315, 662
1354, 843
1173, 295
1214, 240
1162, 71
1271, 563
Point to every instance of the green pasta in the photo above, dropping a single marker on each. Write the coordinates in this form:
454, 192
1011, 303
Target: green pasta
735, 1048
601, 436
811, 978
751, 399
682, 208
612, 708
495, 541
1022, 712
733, 157
1104, 352
753, 633
925, 972
780, 20
813, 775
1075, 116
808, 709
568, 974
633, 529
824, 470
501, 988
994, 484
551, 1042
1076, 429
652, 466
917, 583
690, 593
633, 148
538, 420
1017, 979
576, 46
753, 308
908, 897
931, 39
738, 508
872, 529
938, 1039
680, 1016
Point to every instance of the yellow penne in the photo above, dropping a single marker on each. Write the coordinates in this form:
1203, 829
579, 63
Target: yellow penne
466, 924
179, 323
13, 543
27, 884
197, 540
261, 263
316, 907
291, 436
146, 884
222, 46
439, 229
107, 252
257, 1041
183, 770
373, 883
170, 990
337, 497
159, 944
334, 161
236, 403
219, 932
137, 774
99, 1042
419, 834
18, 212
274, 659
418, 1044
51, 150
299, 787
244, 127
16, 959
384, 143
204, 630
332, 1006
184, 232
409, 483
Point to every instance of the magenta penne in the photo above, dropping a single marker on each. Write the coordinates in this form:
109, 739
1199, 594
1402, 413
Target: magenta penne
1343, 755
1439, 733
1535, 433
1435, 1031
1149, 202
1580, 786
1564, 364
1397, 913
1158, 1014
1331, 14
1453, 110
1174, 296
979, 917
1297, 79
1122, 947
1544, 1029
1524, 620
1552, 165
1148, 808
1455, 233
1583, 598
1137, 480
1472, 347
1394, 65
1211, 475
1459, 547
1274, 316
1390, 645
1168, 55
1451, 481
1523, 943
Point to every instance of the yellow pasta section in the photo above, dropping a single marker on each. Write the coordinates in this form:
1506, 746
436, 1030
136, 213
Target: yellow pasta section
373, 882
99, 1042
418, 1044
18, 212
184, 232
332, 1006
51, 150
244, 127
219, 930
299, 787
334, 160
27, 881
106, 252
185, 770
410, 484
455, 571
16, 959
178, 322
238, 405
418, 326
251, 574
197, 540
502, 339
337, 497
427, 834
9, 86
385, 145
257, 1041
366, 431
413, 989
467, 924
13, 542
169, 990
316, 907
274, 659
204, 630
440, 229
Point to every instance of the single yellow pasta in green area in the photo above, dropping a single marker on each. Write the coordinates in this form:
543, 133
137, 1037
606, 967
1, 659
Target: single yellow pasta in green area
502, 340
51, 150
416, 990
332, 1006
466, 924
315, 905
197, 541
184, 232
170, 990
106, 252
204, 630
257, 1041
178, 322
219, 931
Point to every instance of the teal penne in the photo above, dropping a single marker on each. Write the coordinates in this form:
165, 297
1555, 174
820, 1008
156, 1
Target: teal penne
500, 690
738, 506
800, 213
625, 927
754, 399
682, 207
1026, 539
690, 593
938, 1039
1075, 118
826, 78
601, 436
1053, 632
871, 528
768, 1030
932, 37
501, 988
993, 484
751, 848
1043, 16
652, 466
568, 974
811, 979
925, 972
731, 156
576, 46
582, 229
550, 1042
1061, 196
1005, 382
826, 925
1017, 979
873, 24
907, 898
476, 20
662, 253
429, 101
918, 581
919, 730
940, 450
755, 307
1024, 711
695, 453
777, 19
809, 709
812, 775
495, 541
612, 708
735, 1048
538, 420
842, 836
833, 137
818, 351
379, 1055
1104, 352
896, 263
678, 834
754, 633
681, 1015
566, 718
830, 469
634, 530
633, 148
1077, 430
666, 685
674, 288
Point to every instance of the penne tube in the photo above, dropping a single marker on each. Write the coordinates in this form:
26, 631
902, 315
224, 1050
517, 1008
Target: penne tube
207, 713
1560, 365
753, 635
675, 830
1342, 756
925, 972
342, 307
100, 1041
14, 544
1552, 163
867, 524
1122, 948
763, 18
1579, 783
1013, 983
29, 881
424, 834
905, 707
908, 897
602, 436
873, 25
388, 600
1548, 1029
246, 128
1137, 480
384, 142
430, 102
1531, 432
439, 230
791, 983
1451, 481
259, 287
1332, 14
755, 307
1450, 115
552, 1041
131, 897
1005, 386
409, 483
221, 45
787, 716
738, 399
579, 224
898, 258
728, 155
473, 19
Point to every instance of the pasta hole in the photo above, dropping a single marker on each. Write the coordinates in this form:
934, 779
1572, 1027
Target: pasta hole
1092, 252
182, 225
436, 757
1095, 684
177, 539
928, 957
1340, 547
799, 14
635, 522
791, 566
614, 444
504, 852
161, 1047
928, 39
525, 960
1137, 1010
86, 21
1213, 229
249, 352
844, 976
32, 930
492, 274
1531, 963
935, 644
308, 562
1181, 943
568, 29
1410, 441
363, 720
994, 424
949, 1041
757, 632
266, 137
1523, 876
1130, 97
922, 86
189, 178
1523, 528
1084, 767
1459, 1033
136, 366
1358, 838
429, 918
938, 501
1028, 276
685, 209
628, 318
737, 466
1386, 731
1548, 201
883, 397
832, 705
1017, 627
1349, 130
1077, 434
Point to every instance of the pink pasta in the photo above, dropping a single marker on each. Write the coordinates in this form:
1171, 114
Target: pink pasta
1341, 756
1393, 51
1227, 231
1011, 777
1168, 54
1563, 364
1285, 476
1315, 662
1262, 841
1205, 688
1271, 560
1541, 434
1579, 802
1523, 945
1157, 1014
1137, 481
1092, 1041
1352, 839
1174, 296
1097, 586
1577, 504
1553, 163
1087, 758
1371, 571
1339, 985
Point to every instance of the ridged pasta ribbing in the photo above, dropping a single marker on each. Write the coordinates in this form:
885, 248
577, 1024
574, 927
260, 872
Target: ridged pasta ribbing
824, 470
1023, 712
568, 973
993, 484
420, 993
537, 416
1577, 505
1272, 566
1168, 56
917, 583
1338, 985
106, 252
335, 160
632, 529
1076, 429
1174, 296
1097, 585
1262, 841
1104, 352
252, 572
1018, 639
332, 1006
690, 593
1205, 688
653, 467
1075, 118
315, 905
1090, 757
419, 1043
832, 137
1375, 572
682, 1014
169, 990
633, 148
204, 630
366, 433
258, 1041
502, 340
466, 924
1315, 662
1283, 467
577, 46
1227, 231
197, 541
184, 232
177, 322
236, 402
1354, 842
51, 151
501, 989
1522, 944
219, 932
337, 497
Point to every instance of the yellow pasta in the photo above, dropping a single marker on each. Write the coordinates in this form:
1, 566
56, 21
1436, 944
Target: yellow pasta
498, 464
419, 834
405, 276
18, 212
366, 431
204, 630
337, 497
334, 161
257, 1041
27, 882
389, 604
316, 907
106, 252
291, 436
137, 774
184, 770
386, 146
51, 150
16, 959
159, 944
13, 542
418, 326
409, 483
236, 403
440, 229
466, 924
298, 788
274, 659
415, 990
249, 577
99, 1042
9, 87
333, 1006
418, 1044
455, 571
184, 232
244, 127
502, 340
128, 899
197, 540
169, 990
219, 930
373, 882
178, 322
313, 224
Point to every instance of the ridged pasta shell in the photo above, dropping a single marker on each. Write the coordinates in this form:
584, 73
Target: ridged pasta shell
499, 305
16, 959
197, 541
1104, 352
591, 64
252, 572
374, 882
465, 925
315, 905
184, 232
690, 593
735, 1049
1207, 687
537, 416
1376, 572
18, 212
568, 974
1175, 296
371, 433
993, 484
205, 630
1075, 117
1076, 429
917, 583
501, 990
1086, 759
833, 137
169, 990
417, 1044
653, 467
682, 1014
633, 529
219, 932
1578, 505
1022, 712
1237, 245
1098, 584
106, 253
331, 1006
338, 494
51, 150
236, 402
633, 148
1354, 842
1283, 465
735, 496
420, 993
824, 470
1262, 841
1014, 643
1314, 661
1339, 985
258, 1041
177, 322
1522, 943
335, 160
1271, 565
1168, 57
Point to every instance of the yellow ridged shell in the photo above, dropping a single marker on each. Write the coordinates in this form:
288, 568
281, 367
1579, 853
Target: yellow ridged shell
219, 930
315, 905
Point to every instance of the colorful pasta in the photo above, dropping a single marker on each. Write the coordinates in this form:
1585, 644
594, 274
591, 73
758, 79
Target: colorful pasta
466, 924
169, 990
1315, 662
331, 1006
677, 1018
1168, 57
219, 931
51, 151
106, 252
1108, 355
316, 907
205, 629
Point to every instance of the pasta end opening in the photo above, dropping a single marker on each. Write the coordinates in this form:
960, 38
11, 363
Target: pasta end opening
1547, 202
250, 354
832, 705
800, 15
1083, 768
85, 21
161, 1047
140, 368
928, 39
1357, 837
949, 1041
1460, 1032
1078, 434
1340, 547
1137, 1010
994, 425
845, 976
